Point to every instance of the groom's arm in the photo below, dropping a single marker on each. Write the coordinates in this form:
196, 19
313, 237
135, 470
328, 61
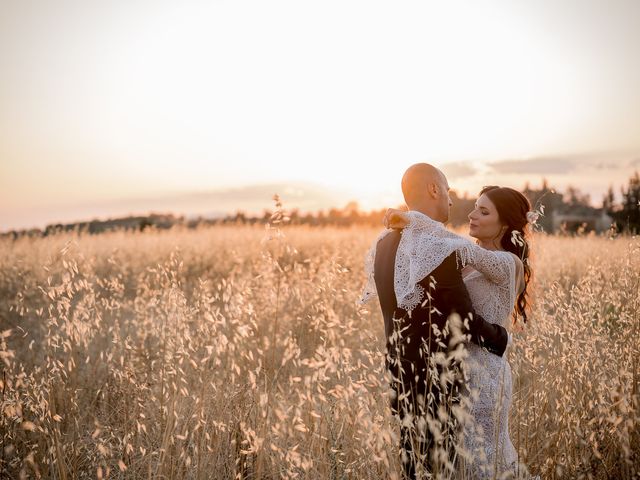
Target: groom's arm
453, 296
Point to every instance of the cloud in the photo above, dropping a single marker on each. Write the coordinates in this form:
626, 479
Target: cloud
539, 166
457, 170
566, 164
606, 166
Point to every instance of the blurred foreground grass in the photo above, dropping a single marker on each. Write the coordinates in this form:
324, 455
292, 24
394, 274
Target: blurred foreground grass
233, 352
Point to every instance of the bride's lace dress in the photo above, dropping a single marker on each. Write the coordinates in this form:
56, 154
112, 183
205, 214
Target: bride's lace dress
492, 287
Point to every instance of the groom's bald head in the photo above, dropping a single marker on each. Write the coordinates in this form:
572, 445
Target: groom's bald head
425, 188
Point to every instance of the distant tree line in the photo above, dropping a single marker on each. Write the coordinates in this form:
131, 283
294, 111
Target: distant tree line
626, 214
555, 206
131, 223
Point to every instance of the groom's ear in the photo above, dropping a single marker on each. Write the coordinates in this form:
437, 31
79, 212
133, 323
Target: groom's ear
432, 190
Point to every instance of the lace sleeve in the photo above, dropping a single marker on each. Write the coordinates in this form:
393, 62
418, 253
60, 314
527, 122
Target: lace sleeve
499, 267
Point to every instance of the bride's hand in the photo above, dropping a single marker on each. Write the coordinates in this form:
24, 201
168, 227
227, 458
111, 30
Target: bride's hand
395, 218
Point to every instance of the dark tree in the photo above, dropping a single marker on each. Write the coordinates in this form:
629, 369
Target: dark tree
609, 201
575, 198
628, 218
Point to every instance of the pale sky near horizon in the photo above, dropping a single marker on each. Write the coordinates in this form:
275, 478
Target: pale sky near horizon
105, 101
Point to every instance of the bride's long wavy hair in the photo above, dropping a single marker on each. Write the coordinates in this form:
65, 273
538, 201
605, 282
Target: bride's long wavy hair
512, 207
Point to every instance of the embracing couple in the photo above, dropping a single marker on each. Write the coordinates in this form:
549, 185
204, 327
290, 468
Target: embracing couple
446, 304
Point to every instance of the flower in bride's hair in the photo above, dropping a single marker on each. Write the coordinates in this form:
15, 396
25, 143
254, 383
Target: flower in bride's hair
532, 217
516, 238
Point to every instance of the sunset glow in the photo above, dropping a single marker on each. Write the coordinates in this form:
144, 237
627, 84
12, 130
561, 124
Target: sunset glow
104, 102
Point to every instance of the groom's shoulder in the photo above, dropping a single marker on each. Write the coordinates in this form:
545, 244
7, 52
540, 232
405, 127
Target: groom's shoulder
445, 273
389, 240
449, 264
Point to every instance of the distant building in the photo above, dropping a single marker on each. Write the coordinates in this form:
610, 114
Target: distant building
562, 216
596, 220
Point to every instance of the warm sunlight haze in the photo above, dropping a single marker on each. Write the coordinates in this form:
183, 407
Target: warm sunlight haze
110, 108
208, 269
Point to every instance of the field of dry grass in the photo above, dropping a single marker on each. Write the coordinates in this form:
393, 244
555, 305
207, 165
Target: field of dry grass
221, 353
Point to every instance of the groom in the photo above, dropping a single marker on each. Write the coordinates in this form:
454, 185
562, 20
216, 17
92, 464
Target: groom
426, 385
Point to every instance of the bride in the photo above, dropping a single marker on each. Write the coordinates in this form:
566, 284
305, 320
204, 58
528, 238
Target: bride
496, 276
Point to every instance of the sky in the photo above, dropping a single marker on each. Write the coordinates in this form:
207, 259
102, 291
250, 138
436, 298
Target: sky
110, 108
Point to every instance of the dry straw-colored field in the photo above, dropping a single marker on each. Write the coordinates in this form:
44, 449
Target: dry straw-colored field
215, 353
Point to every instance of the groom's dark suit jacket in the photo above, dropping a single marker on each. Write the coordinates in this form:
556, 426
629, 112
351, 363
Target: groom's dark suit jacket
448, 296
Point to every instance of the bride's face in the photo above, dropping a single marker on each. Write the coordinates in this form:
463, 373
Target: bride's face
484, 221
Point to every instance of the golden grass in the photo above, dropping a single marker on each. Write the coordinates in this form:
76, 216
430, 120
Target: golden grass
215, 353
